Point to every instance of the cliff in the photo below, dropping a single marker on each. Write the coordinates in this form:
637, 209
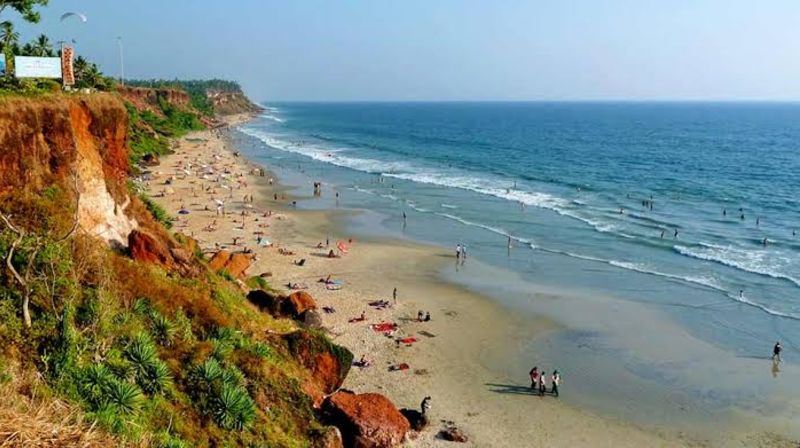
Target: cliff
230, 103
118, 323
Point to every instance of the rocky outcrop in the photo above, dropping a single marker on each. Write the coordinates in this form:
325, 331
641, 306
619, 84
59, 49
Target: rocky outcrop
328, 363
366, 420
146, 247
296, 305
235, 264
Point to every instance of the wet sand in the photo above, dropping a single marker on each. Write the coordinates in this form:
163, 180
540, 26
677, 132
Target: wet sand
456, 356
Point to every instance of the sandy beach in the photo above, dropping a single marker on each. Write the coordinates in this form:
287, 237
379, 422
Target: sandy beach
450, 358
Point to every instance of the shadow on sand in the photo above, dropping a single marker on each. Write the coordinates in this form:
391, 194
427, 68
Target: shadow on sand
513, 389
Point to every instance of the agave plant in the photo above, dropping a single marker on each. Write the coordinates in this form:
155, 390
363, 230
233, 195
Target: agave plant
163, 329
124, 398
233, 408
93, 384
150, 372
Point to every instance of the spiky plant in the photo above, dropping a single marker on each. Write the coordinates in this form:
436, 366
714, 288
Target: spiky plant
163, 329
150, 373
233, 408
124, 398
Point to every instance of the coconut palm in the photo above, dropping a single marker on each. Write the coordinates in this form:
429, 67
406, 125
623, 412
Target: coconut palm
79, 66
41, 46
9, 38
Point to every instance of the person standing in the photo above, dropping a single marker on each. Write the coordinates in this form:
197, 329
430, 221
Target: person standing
534, 373
542, 386
394, 295
458, 251
776, 352
555, 379
425, 406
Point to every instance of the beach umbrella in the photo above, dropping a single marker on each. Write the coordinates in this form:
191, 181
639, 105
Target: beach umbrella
77, 15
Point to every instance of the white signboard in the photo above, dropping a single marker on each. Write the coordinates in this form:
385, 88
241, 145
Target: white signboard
33, 67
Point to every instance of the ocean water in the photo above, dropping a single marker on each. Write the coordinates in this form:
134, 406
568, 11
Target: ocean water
665, 206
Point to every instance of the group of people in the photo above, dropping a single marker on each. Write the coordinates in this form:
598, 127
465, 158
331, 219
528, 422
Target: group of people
461, 252
539, 381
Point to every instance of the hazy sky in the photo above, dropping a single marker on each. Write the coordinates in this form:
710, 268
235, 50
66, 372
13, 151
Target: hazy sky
450, 50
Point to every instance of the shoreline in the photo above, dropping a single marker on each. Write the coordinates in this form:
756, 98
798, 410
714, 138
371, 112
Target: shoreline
453, 358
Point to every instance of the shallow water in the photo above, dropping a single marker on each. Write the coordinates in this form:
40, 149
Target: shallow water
665, 315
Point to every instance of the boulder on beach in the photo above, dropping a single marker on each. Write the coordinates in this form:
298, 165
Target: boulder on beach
329, 363
235, 264
298, 303
367, 420
295, 305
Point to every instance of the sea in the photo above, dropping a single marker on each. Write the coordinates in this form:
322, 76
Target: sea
663, 236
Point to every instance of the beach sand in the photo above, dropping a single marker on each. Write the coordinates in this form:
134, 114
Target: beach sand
453, 358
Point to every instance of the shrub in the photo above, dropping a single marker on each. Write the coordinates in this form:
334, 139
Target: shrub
219, 393
158, 212
150, 373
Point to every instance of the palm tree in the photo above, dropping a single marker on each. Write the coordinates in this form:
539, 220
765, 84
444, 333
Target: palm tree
9, 38
79, 67
42, 46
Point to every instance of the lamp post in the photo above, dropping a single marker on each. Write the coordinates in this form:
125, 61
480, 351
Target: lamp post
121, 62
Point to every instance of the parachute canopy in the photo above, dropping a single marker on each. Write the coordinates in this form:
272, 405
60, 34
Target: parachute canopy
77, 15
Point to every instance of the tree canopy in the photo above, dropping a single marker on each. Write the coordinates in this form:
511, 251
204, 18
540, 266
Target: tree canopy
26, 8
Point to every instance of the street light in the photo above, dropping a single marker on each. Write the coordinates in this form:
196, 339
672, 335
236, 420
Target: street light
121, 62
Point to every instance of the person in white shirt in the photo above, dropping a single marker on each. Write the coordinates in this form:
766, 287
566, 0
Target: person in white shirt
555, 379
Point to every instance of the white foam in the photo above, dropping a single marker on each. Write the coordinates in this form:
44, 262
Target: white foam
760, 262
492, 229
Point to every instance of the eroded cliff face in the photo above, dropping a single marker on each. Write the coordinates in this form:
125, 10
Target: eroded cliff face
147, 99
73, 143
230, 103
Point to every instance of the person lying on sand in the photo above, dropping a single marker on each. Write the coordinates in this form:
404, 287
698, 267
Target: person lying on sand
283, 251
296, 286
329, 309
300, 262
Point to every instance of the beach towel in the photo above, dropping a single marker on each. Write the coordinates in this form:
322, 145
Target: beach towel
408, 341
384, 327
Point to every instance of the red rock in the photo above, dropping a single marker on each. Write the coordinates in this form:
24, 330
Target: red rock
366, 420
328, 362
238, 264
298, 303
235, 264
144, 247
219, 260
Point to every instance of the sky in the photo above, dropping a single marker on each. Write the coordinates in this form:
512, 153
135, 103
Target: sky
420, 50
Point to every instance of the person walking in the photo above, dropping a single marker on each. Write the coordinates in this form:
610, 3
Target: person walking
534, 373
555, 379
776, 352
458, 251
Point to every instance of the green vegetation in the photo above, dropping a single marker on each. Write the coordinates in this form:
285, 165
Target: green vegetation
156, 210
149, 132
197, 90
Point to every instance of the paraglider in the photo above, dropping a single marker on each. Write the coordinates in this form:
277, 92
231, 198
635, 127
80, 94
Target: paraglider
77, 15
